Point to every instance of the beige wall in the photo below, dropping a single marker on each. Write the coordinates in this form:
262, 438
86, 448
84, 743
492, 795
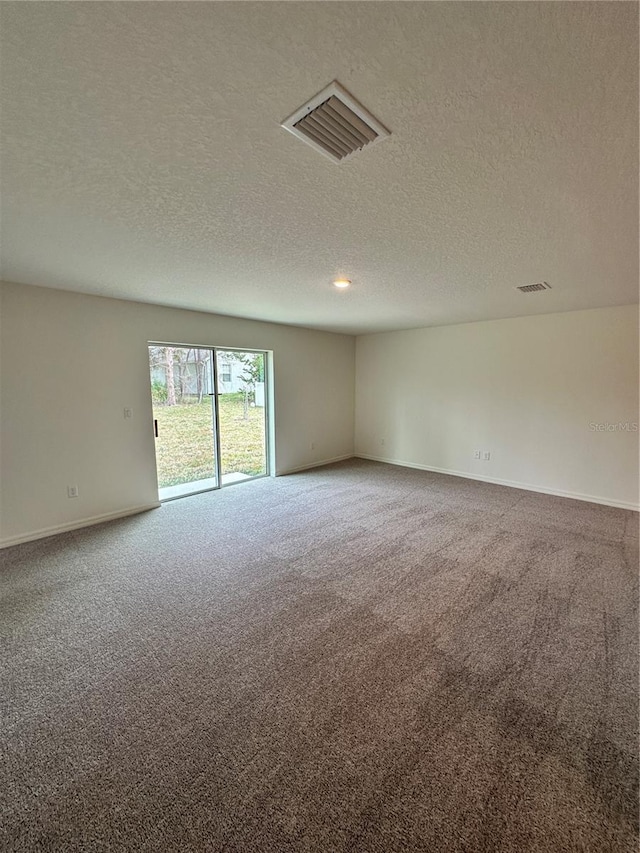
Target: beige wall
71, 363
526, 389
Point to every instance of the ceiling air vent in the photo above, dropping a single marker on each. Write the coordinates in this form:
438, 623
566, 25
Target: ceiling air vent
530, 288
335, 124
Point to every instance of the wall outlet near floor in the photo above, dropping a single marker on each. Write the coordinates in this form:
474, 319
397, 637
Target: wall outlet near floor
128, 413
382, 442
486, 455
72, 491
313, 445
476, 454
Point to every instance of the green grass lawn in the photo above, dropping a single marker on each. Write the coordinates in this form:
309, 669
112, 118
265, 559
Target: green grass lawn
184, 446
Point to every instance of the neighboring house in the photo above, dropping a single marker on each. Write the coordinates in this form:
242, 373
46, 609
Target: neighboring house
230, 377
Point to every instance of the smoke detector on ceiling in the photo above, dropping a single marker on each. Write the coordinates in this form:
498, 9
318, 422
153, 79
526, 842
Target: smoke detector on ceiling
531, 288
335, 124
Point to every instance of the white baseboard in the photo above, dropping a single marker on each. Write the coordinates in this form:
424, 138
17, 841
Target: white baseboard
74, 525
512, 484
314, 465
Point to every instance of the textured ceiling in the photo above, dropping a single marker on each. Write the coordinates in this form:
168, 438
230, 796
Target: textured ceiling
142, 157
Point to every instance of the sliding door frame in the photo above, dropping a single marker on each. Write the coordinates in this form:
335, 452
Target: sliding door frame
216, 417
267, 404
213, 351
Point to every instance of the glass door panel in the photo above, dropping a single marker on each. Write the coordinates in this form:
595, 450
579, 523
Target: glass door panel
242, 414
182, 389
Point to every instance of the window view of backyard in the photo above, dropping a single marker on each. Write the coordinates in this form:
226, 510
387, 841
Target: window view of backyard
182, 389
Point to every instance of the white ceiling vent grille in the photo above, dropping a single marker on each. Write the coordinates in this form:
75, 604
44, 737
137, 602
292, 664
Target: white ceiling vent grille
335, 124
531, 288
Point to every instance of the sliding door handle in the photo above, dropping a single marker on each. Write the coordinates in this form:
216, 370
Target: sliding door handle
155, 427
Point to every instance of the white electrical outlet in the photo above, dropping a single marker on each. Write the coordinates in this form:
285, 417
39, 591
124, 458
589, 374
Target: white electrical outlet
128, 413
313, 445
72, 491
382, 442
486, 455
476, 454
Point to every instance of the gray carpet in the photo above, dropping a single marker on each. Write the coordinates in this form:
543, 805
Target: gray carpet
357, 658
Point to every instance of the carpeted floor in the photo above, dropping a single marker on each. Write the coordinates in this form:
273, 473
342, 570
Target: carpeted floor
357, 658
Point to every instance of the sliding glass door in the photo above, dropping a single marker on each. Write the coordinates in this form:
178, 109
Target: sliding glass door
242, 414
184, 419
209, 413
